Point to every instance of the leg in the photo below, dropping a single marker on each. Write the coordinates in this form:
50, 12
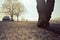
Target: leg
48, 16
41, 20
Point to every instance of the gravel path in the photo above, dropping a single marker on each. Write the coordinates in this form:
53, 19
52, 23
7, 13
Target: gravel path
25, 31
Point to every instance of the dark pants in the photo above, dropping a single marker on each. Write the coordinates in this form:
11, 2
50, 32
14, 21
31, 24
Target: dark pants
44, 18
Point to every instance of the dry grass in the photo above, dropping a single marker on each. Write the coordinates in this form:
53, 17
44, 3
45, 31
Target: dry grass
25, 31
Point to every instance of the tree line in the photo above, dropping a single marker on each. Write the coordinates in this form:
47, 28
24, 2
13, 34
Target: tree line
13, 7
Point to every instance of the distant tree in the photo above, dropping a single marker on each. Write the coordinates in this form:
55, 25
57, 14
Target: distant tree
26, 20
13, 7
19, 10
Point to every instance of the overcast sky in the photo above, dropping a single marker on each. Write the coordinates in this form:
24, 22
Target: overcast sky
31, 11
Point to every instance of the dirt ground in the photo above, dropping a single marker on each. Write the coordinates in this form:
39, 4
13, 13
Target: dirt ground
25, 31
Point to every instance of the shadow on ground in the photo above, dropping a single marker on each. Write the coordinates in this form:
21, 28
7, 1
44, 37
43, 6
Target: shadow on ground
55, 28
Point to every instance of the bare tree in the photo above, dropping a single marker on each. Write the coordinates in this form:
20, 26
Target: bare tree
13, 7
19, 9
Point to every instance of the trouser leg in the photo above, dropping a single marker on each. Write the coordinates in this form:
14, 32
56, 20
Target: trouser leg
48, 16
44, 19
41, 20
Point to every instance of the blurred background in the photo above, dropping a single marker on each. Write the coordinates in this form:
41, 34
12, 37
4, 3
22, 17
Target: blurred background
24, 10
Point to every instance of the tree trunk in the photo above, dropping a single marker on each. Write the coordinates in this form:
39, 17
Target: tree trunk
12, 18
12, 14
17, 19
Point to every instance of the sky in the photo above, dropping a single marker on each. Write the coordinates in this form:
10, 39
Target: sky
31, 12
